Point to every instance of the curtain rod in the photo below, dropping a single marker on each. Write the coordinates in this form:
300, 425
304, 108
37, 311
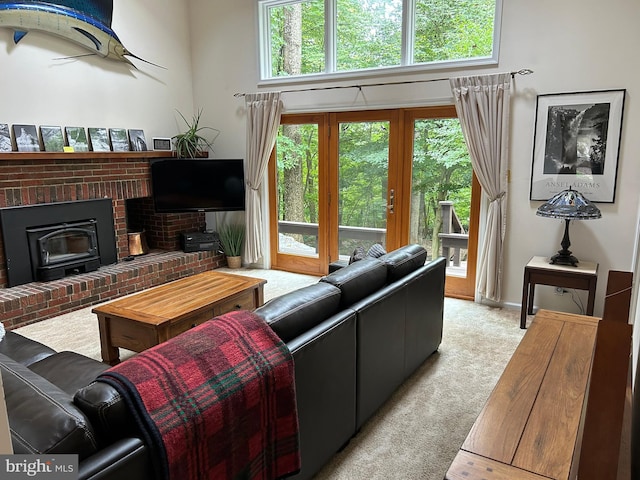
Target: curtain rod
523, 71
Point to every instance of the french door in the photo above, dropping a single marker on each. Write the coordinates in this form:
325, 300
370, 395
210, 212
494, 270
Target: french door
363, 157
343, 180
442, 202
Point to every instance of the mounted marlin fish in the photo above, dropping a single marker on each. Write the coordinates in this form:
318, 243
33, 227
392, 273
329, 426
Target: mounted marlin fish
84, 22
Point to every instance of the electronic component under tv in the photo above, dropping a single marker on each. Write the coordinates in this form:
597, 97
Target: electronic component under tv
197, 185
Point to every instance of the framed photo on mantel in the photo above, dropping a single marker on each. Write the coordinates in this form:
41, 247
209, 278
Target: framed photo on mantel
99, 139
5, 138
138, 142
52, 139
576, 144
77, 139
26, 137
119, 139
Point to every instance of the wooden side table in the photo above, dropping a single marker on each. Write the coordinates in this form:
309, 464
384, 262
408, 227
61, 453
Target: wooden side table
540, 272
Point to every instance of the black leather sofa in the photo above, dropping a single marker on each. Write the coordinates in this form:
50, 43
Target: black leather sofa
355, 336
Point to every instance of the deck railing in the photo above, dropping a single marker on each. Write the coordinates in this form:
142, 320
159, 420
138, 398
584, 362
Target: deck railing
365, 234
453, 236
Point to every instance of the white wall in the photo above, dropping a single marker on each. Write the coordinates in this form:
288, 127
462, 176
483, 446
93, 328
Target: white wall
96, 92
575, 45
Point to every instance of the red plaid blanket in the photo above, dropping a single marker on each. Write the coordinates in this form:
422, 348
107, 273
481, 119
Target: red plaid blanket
217, 402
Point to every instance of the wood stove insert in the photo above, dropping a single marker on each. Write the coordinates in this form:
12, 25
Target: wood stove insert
63, 249
50, 240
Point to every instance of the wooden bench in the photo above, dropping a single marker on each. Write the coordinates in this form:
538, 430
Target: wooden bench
557, 410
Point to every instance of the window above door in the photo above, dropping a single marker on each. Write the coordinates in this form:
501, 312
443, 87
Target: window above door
302, 39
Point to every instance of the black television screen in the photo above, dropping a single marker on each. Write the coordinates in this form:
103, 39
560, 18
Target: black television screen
197, 185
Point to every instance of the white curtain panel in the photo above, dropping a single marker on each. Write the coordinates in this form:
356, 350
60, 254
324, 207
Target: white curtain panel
482, 104
263, 120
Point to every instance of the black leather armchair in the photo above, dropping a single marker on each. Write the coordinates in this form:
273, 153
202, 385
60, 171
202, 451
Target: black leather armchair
40, 385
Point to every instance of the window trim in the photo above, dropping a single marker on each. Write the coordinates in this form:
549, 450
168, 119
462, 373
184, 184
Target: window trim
330, 73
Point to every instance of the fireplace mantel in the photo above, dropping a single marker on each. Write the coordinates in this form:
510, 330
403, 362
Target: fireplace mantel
35, 156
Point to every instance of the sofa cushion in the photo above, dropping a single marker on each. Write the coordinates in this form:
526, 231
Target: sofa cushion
357, 255
69, 371
295, 312
380, 336
43, 418
358, 280
22, 349
376, 251
403, 261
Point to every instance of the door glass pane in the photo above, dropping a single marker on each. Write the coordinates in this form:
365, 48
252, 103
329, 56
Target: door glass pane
362, 185
297, 189
441, 192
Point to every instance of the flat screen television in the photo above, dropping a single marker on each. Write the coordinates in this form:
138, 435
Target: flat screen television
197, 185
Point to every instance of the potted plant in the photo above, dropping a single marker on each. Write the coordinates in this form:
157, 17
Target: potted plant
232, 238
191, 143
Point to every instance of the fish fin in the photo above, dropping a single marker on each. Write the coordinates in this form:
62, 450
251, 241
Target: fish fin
76, 56
18, 35
95, 41
101, 10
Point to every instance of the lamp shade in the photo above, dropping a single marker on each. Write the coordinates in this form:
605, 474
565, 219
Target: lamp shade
569, 205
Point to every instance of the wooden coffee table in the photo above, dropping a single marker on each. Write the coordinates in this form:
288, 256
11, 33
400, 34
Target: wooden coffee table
142, 320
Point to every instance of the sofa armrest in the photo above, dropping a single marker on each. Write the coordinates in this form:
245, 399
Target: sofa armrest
126, 458
106, 410
294, 313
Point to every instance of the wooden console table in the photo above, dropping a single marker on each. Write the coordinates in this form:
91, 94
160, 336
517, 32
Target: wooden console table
142, 320
540, 272
557, 411
528, 428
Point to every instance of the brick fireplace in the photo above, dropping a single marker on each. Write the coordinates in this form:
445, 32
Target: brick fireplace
37, 178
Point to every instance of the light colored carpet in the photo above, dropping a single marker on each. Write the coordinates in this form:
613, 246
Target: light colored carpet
416, 434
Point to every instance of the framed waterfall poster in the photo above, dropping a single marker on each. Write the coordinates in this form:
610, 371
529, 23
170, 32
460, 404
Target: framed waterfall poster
576, 144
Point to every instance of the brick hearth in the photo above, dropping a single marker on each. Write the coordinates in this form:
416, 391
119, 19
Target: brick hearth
37, 301
34, 178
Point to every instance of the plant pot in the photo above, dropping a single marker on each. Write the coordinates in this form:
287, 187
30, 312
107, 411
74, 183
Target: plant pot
234, 262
